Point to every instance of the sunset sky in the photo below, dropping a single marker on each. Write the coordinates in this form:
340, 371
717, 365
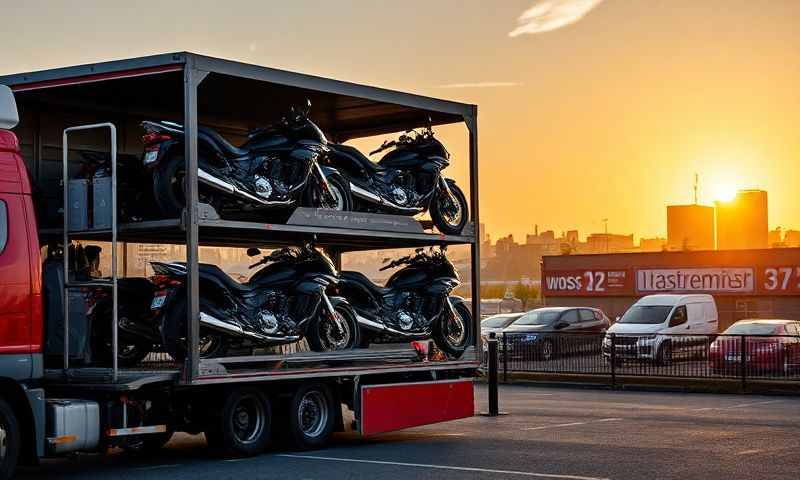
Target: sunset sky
588, 109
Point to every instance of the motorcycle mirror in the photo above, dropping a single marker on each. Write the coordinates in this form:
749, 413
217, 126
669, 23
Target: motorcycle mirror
253, 252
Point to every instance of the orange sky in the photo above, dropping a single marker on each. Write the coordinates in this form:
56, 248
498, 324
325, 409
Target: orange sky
607, 117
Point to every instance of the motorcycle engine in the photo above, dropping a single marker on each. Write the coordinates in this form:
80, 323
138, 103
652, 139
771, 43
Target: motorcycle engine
409, 316
273, 178
273, 317
403, 189
262, 187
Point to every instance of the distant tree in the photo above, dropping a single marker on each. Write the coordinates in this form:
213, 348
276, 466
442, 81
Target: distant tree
526, 292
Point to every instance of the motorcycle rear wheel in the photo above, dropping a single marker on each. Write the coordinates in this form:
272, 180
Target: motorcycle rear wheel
173, 334
169, 188
450, 218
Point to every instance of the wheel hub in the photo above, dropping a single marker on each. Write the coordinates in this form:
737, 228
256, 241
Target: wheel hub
313, 414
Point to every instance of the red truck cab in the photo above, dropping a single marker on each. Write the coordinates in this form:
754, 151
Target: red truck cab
21, 320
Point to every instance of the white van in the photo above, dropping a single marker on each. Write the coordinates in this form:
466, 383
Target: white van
662, 327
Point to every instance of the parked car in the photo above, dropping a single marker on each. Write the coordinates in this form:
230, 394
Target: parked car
496, 323
664, 327
770, 346
544, 333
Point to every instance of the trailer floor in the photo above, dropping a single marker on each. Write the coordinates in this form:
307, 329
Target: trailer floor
550, 433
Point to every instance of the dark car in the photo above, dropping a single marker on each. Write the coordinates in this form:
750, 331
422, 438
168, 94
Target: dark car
547, 332
496, 323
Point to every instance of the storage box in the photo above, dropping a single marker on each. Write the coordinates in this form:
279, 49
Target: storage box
78, 208
72, 425
101, 203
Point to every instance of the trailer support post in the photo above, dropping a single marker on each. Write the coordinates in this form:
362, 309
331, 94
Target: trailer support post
475, 247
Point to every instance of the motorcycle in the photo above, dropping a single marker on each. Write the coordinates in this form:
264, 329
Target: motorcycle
138, 331
415, 304
281, 303
277, 168
406, 181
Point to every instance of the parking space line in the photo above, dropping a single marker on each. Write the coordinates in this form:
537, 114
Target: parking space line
572, 424
443, 467
155, 467
741, 405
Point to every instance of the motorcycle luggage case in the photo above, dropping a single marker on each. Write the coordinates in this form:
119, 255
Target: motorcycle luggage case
72, 425
101, 203
78, 195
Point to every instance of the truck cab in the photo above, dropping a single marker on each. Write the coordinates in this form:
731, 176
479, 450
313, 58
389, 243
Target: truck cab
21, 405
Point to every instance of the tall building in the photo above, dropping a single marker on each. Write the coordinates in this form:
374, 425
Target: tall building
690, 227
608, 243
742, 223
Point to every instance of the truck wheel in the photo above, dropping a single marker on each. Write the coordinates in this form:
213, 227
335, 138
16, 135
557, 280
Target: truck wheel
312, 416
9, 441
242, 427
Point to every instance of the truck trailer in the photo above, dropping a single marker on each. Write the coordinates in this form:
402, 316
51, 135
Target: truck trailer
54, 400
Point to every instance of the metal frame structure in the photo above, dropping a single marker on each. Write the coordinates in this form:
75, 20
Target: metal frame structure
382, 111
112, 283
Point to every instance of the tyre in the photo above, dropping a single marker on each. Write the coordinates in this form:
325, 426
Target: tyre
168, 186
10, 440
312, 416
453, 334
547, 350
450, 215
664, 356
339, 188
173, 334
323, 335
243, 424
130, 353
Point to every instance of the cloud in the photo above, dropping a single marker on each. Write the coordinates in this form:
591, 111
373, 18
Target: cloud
548, 15
481, 85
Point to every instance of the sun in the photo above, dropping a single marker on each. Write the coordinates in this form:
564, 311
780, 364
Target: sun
725, 192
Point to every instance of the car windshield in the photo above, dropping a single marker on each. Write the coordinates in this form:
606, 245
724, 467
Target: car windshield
646, 314
538, 317
753, 329
498, 321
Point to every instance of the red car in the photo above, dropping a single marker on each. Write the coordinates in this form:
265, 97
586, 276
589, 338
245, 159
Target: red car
770, 346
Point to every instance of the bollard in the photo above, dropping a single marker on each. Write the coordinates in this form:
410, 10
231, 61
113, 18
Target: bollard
492, 348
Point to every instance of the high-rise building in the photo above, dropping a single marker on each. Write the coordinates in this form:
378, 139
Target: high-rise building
742, 223
690, 227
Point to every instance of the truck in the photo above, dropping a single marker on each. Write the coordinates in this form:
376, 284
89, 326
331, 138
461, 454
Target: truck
53, 402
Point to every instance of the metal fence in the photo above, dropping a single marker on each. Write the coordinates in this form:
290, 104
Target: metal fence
649, 355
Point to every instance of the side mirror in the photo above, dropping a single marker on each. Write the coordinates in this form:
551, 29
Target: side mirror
616, 319
9, 116
253, 252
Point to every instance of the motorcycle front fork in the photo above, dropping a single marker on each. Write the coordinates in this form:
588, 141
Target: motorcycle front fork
331, 312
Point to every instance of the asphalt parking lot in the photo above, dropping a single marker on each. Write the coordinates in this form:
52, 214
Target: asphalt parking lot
550, 433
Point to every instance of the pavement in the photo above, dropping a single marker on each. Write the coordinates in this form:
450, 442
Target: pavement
549, 433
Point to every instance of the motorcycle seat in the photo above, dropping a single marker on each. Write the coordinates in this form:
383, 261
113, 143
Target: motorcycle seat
209, 270
361, 279
229, 149
357, 157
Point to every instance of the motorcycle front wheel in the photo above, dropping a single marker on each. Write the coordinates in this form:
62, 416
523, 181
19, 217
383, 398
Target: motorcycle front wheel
339, 188
173, 334
453, 334
324, 335
450, 214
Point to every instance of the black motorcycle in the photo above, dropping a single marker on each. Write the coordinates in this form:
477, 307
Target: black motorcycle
406, 181
281, 303
138, 331
415, 304
277, 168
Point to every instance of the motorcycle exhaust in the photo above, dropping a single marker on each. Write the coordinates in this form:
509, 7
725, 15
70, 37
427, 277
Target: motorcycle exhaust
213, 323
232, 189
381, 328
367, 195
